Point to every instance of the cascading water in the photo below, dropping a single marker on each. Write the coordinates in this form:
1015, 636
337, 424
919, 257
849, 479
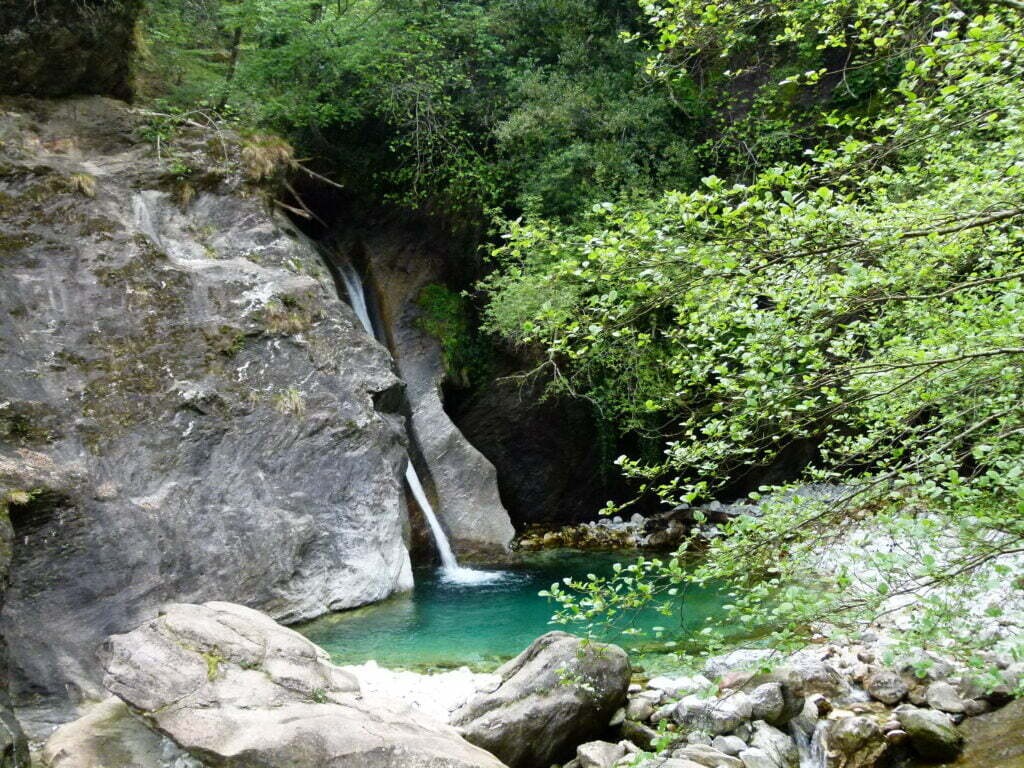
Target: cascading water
452, 571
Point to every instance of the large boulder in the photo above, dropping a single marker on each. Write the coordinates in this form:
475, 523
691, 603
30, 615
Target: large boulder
191, 410
932, 733
234, 689
63, 47
994, 739
558, 693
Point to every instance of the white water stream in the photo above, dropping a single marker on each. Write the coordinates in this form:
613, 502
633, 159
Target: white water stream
452, 571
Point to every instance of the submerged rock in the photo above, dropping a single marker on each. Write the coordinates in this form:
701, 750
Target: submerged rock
234, 689
558, 693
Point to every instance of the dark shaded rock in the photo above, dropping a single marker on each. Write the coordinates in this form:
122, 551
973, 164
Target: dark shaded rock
932, 734
236, 690
13, 744
558, 693
994, 739
549, 455
65, 47
640, 734
192, 406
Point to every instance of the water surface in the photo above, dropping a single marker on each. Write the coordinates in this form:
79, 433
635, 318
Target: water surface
443, 624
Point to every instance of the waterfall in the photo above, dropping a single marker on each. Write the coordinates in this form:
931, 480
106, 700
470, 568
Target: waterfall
810, 735
452, 571
357, 296
448, 559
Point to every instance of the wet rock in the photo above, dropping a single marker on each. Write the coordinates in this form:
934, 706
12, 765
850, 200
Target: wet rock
885, 685
975, 707
932, 734
465, 482
599, 754
994, 739
558, 693
227, 683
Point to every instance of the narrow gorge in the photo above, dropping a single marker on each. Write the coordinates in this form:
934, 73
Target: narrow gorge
549, 384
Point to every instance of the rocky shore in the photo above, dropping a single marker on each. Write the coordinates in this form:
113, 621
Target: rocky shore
222, 685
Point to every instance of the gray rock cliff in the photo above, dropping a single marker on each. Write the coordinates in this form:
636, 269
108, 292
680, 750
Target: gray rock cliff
188, 409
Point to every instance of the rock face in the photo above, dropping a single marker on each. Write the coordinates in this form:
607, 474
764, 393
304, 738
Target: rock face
558, 693
529, 440
62, 47
994, 739
234, 689
13, 744
189, 408
464, 481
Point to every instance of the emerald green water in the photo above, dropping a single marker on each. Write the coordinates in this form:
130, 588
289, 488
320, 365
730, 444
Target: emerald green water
441, 624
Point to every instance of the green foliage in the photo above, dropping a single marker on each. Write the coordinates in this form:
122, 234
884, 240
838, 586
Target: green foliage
453, 107
447, 316
865, 298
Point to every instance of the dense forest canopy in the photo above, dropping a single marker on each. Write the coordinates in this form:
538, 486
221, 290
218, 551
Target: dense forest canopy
737, 228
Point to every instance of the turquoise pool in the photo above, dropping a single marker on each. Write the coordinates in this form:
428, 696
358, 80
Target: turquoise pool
442, 624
